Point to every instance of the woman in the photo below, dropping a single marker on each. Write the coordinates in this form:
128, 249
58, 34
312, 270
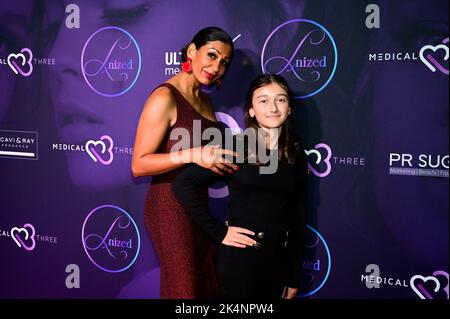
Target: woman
72, 98
272, 206
186, 255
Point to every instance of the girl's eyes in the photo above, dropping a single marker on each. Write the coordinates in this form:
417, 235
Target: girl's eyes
212, 55
282, 100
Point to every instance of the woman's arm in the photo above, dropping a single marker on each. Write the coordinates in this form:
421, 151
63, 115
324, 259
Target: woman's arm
158, 115
186, 187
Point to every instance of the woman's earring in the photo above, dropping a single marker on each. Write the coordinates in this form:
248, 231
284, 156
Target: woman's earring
187, 66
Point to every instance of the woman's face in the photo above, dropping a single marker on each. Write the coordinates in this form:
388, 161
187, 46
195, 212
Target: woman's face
160, 28
270, 106
410, 115
14, 16
210, 61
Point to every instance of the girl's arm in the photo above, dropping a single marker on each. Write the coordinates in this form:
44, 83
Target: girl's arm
187, 186
297, 226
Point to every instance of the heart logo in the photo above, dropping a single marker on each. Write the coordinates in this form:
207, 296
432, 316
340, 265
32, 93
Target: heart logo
430, 61
318, 160
420, 289
16, 235
91, 149
17, 67
316, 152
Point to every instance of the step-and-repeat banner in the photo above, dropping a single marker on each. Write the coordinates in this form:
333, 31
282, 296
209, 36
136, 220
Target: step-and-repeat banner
370, 80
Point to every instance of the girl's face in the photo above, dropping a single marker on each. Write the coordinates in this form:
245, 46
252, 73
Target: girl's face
161, 29
210, 61
14, 16
270, 106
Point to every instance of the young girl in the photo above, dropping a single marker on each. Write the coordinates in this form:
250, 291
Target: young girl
261, 251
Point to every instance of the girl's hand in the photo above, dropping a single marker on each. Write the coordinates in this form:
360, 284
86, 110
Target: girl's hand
236, 238
289, 293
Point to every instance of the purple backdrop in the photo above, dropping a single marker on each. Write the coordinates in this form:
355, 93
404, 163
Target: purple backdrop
371, 106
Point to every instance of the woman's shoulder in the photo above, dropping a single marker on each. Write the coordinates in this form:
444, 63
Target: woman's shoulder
163, 94
160, 100
163, 90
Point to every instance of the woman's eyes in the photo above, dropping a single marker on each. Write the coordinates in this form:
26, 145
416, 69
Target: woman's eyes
126, 16
424, 33
425, 38
213, 56
49, 34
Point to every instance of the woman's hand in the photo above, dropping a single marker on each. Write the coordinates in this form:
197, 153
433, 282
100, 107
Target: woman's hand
235, 237
211, 157
289, 293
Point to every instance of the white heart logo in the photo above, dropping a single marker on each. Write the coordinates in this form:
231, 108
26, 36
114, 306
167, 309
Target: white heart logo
319, 159
12, 58
319, 156
15, 234
434, 49
15, 230
94, 143
90, 149
15, 56
419, 291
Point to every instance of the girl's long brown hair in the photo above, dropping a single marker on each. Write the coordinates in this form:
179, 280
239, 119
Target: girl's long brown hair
289, 146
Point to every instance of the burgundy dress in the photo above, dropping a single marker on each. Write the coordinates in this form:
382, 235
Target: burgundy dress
186, 254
